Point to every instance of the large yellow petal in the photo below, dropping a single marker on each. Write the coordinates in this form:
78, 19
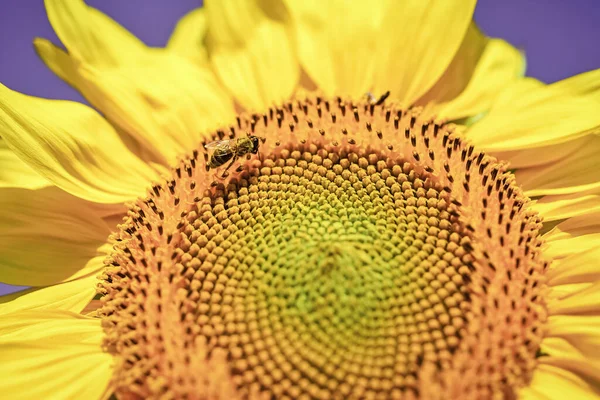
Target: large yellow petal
91, 36
15, 173
48, 236
69, 296
174, 114
499, 65
587, 83
528, 115
572, 236
187, 39
554, 383
251, 50
581, 331
518, 89
73, 147
572, 343
133, 85
456, 77
161, 99
67, 68
559, 292
567, 246
53, 355
556, 207
577, 172
58, 60
583, 301
541, 155
583, 361
417, 42
577, 268
336, 42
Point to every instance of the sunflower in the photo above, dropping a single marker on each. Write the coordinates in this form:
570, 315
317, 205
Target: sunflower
244, 219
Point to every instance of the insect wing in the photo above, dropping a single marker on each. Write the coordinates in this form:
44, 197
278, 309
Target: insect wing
369, 97
226, 143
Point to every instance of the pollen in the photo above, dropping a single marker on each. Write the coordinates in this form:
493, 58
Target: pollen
362, 253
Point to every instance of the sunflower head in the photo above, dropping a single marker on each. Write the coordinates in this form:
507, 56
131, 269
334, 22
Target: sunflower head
264, 226
362, 251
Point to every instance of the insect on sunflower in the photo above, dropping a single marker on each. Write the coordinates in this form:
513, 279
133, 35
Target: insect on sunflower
437, 238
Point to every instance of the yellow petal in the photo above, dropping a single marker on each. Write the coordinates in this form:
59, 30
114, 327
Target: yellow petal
584, 301
335, 43
571, 245
572, 236
162, 100
15, 173
499, 65
578, 171
563, 291
418, 41
59, 62
251, 51
541, 155
91, 36
97, 43
187, 39
556, 207
53, 355
527, 115
554, 383
69, 296
73, 147
563, 354
456, 77
173, 114
577, 268
48, 236
587, 83
68, 69
582, 332
577, 226
516, 90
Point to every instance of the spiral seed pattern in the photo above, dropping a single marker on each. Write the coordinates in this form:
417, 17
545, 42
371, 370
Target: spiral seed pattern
362, 253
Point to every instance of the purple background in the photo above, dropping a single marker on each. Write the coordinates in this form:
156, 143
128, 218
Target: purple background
561, 38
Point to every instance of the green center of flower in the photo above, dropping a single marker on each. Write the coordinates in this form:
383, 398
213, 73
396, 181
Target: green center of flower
359, 254
346, 274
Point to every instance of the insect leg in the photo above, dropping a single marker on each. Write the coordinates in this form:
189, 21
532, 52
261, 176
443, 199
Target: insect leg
382, 98
233, 160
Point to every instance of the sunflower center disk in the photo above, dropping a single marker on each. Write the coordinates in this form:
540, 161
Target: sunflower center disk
352, 257
333, 276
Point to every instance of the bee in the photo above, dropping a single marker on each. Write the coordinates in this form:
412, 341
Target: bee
376, 102
222, 151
